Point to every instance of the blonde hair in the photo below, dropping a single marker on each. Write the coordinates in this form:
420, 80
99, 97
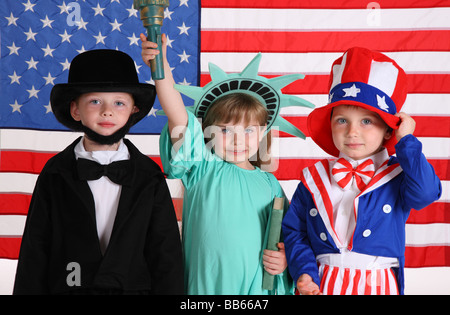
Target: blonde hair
236, 107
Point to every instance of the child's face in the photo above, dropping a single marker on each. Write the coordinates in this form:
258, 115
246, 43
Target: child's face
358, 132
104, 113
237, 142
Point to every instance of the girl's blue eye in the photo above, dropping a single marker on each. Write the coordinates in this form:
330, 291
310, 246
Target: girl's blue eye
366, 121
225, 131
341, 121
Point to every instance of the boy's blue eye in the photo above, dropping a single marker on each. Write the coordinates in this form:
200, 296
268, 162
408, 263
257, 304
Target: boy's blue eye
120, 104
366, 121
95, 102
341, 120
225, 131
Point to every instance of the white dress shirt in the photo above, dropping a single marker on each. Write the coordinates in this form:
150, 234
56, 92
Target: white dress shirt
344, 210
106, 193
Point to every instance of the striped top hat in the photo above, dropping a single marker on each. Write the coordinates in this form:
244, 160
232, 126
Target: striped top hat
363, 78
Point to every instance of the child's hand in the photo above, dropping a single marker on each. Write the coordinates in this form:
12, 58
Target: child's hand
406, 127
275, 261
306, 286
150, 49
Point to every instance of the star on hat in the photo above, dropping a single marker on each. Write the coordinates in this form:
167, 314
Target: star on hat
381, 102
351, 91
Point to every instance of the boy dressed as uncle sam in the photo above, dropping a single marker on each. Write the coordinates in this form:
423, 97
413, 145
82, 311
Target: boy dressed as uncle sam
345, 228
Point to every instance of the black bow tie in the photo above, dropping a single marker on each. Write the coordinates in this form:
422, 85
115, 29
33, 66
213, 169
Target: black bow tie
119, 172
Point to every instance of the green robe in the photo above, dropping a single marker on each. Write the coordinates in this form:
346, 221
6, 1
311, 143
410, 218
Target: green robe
226, 211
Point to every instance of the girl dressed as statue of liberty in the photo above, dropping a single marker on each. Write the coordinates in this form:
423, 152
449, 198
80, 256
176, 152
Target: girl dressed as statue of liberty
228, 196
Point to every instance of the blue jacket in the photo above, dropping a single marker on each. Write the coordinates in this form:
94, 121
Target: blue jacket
405, 182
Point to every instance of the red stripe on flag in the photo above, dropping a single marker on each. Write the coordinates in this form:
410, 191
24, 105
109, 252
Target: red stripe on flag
318, 83
288, 168
430, 256
18, 204
24, 162
14, 204
311, 4
426, 126
298, 121
432, 126
10, 247
34, 162
320, 41
437, 212
311, 84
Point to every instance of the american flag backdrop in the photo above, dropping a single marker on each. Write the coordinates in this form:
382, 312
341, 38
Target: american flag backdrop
39, 38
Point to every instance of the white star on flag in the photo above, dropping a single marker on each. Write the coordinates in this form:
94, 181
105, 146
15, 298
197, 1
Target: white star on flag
33, 92
183, 29
13, 49
14, 78
16, 107
31, 35
184, 57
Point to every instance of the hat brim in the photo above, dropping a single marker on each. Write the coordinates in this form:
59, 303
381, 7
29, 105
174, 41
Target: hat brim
63, 94
319, 126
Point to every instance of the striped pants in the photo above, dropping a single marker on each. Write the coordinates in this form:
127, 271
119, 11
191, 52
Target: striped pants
345, 279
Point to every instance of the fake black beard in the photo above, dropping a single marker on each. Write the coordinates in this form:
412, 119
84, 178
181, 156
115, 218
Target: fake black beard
108, 140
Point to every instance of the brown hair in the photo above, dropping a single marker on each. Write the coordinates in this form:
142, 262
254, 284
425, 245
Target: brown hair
233, 108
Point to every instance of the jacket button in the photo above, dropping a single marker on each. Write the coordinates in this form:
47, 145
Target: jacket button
367, 233
313, 212
387, 208
323, 236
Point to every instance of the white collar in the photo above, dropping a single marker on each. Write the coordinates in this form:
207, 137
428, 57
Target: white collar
102, 157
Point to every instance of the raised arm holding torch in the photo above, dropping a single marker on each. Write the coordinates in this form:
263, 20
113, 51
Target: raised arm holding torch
152, 16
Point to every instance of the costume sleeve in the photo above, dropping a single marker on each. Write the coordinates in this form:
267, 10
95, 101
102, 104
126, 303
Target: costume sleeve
32, 268
420, 186
300, 256
189, 163
163, 247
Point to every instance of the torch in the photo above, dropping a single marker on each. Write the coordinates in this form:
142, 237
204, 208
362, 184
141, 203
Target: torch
152, 16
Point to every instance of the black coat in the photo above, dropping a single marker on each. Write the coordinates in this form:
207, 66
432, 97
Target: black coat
144, 253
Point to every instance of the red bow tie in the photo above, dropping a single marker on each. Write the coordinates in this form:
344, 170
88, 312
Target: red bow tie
343, 172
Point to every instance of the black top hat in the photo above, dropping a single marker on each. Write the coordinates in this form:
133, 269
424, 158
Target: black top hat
101, 70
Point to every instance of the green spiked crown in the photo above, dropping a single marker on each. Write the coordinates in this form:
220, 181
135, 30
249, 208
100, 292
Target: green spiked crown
267, 91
